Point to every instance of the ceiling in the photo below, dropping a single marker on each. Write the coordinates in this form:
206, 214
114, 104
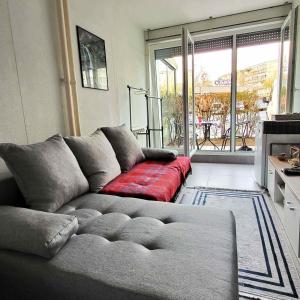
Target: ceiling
151, 14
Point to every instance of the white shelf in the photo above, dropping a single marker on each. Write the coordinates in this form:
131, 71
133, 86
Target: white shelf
281, 188
285, 193
280, 209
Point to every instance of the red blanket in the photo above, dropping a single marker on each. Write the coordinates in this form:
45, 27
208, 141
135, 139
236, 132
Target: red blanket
153, 180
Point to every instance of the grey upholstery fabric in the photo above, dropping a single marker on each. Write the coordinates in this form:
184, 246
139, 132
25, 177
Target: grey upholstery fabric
129, 248
127, 149
159, 154
47, 173
10, 193
96, 158
34, 232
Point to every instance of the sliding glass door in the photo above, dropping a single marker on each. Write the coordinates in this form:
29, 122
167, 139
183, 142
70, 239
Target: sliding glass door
235, 80
257, 83
175, 84
209, 89
213, 60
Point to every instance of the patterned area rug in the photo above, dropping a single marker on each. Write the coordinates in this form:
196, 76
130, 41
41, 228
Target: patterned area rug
266, 268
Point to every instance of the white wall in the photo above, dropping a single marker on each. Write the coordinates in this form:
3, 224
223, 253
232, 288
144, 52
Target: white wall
96, 108
31, 96
130, 61
124, 42
31, 87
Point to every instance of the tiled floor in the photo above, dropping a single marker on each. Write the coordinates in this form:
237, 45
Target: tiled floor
231, 176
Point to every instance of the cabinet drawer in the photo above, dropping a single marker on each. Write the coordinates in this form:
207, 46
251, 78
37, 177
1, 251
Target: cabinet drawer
292, 219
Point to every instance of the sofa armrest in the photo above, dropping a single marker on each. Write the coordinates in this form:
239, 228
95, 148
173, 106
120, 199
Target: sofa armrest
35, 232
159, 154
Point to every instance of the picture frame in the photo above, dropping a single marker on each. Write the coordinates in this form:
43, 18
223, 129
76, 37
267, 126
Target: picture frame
92, 59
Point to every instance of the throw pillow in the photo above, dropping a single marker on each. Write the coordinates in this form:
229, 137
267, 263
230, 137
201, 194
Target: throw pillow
96, 158
47, 173
124, 143
160, 154
35, 232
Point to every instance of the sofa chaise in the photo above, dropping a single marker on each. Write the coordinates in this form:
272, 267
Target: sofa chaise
128, 248
60, 240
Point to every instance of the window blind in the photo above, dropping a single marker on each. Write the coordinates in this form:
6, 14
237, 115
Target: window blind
199, 46
261, 37
243, 40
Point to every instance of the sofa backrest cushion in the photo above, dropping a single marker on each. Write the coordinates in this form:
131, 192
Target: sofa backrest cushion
124, 143
47, 173
96, 158
35, 232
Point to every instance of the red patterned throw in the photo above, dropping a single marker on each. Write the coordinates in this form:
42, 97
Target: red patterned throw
153, 180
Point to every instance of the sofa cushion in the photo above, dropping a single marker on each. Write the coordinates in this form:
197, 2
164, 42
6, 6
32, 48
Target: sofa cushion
96, 158
159, 154
163, 251
127, 149
47, 173
152, 180
132, 249
34, 232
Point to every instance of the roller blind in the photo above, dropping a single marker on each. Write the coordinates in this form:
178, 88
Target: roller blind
246, 39
261, 37
199, 46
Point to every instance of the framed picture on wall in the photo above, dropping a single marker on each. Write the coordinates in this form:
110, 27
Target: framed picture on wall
92, 58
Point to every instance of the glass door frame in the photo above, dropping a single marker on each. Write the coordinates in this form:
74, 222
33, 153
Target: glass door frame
176, 41
186, 40
291, 21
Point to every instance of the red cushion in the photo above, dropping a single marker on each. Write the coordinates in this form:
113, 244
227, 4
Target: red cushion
153, 180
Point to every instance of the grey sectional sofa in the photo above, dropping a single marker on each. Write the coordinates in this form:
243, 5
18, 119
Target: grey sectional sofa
128, 248
59, 239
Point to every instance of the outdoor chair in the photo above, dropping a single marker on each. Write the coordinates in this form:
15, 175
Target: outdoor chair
244, 133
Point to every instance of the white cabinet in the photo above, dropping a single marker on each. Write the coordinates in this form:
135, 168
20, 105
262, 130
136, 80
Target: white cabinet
271, 179
285, 193
291, 218
276, 188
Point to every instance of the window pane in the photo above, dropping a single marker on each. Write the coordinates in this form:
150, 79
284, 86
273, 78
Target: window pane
213, 99
257, 72
212, 69
172, 106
